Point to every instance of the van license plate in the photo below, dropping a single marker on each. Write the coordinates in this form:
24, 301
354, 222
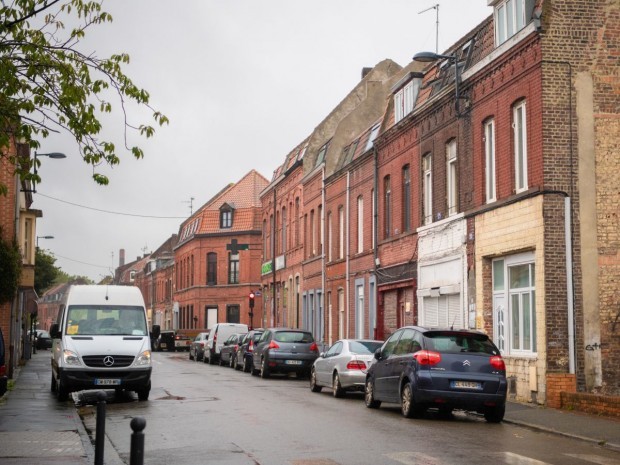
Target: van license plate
466, 385
107, 382
293, 362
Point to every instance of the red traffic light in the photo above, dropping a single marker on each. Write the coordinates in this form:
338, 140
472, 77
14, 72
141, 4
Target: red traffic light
251, 295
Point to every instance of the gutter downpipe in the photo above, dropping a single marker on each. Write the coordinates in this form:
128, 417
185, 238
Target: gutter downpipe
348, 251
274, 319
569, 284
375, 235
326, 316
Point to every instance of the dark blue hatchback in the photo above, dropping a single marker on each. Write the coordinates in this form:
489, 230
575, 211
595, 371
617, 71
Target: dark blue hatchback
446, 369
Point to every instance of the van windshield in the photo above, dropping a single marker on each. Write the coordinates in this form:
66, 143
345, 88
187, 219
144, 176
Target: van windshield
123, 320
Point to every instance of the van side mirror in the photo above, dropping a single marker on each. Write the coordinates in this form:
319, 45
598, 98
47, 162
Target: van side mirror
378, 354
55, 332
155, 331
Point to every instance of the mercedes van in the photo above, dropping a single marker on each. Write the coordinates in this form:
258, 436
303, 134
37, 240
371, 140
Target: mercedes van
101, 341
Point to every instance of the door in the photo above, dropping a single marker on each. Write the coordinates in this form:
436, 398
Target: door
399, 363
382, 368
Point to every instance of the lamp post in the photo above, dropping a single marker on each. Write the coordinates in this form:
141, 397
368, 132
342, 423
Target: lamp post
429, 57
55, 155
43, 237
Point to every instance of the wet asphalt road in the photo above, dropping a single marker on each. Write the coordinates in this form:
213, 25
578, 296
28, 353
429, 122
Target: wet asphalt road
202, 414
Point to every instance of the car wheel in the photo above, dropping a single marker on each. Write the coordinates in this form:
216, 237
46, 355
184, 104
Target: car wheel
247, 365
336, 386
408, 407
232, 363
221, 361
53, 385
237, 364
211, 358
62, 393
191, 357
495, 414
369, 395
143, 394
313, 386
264, 369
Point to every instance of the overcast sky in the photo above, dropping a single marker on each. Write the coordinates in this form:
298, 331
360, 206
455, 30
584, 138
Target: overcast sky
242, 82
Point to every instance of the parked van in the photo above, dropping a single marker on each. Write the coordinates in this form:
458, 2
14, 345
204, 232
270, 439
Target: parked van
101, 341
217, 335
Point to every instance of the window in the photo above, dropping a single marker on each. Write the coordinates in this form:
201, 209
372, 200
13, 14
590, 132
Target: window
520, 146
427, 180
359, 312
360, 224
211, 269
406, 199
283, 239
374, 132
329, 237
132, 276
233, 268
265, 239
319, 225
312, 235
321, 156
226, 217
233, 314
451, 181
404, 99
372, 217
340, 232
489, 160
387, 206
514, 303
297, 221
510, 18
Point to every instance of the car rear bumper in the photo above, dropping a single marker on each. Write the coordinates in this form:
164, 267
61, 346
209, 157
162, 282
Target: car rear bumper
287, 363
459, 399
352, 380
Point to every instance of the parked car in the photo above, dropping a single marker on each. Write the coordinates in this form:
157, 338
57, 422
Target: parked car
284, 350
43, 340
228, 353
171, 341
344, 366
246, 349
197, 347
446, 369
4, 380
217, 335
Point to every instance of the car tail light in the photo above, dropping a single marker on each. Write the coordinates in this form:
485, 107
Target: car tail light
356, 365
427, 357
202, 344
177, 337
273, 345
236, 346
497, 362
2, 370
314, 347
250, 347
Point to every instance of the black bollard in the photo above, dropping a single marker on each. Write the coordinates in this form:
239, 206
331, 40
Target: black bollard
100, 428
136, 453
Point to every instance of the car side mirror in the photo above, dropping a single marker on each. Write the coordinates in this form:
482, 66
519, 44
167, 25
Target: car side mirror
322, 355
55, 332
378, 354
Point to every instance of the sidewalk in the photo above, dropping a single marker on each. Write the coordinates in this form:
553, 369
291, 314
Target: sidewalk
36, 430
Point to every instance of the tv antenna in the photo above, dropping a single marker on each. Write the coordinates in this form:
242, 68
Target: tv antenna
191, 205
436, 8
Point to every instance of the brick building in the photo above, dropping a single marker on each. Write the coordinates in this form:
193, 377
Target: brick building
218, 257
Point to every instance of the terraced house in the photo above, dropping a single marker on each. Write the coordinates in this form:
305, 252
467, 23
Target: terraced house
472, 188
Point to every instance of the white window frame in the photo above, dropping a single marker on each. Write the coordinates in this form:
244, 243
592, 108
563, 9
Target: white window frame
452, 179
427, 176
519, 124
330, 244
359, 314
404, 99
340, 233
509, 18
489, 161
373, 211
509, 321
374, 132
360, 224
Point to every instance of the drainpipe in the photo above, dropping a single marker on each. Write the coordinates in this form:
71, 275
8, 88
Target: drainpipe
569, 284
274, 319
375, 236
347, 248
326, 315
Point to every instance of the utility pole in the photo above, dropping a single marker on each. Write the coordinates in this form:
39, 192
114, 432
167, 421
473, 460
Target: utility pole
191, 205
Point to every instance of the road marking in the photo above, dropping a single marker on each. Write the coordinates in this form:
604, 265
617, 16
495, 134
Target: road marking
516, 459
595, 459
414, 458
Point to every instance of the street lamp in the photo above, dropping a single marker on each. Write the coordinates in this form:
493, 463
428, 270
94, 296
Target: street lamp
43, 237
429, 57
56, 155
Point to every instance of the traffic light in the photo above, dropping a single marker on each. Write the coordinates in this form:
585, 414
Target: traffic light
251, 300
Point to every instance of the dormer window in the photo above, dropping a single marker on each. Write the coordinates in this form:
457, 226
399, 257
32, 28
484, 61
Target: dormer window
510, 17
132, 276
405, 94
226, 216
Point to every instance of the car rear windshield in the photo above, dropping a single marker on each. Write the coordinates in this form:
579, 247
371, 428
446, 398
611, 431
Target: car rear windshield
364, 347
293, 336
455, 342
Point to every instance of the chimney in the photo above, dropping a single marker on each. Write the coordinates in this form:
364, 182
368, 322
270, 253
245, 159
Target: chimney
121, 257
365, 71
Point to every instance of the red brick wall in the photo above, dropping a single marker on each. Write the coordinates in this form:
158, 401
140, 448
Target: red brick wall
594, 404
557, 383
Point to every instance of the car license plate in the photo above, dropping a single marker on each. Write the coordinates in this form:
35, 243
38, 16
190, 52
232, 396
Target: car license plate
466, 385
107, 382
293, 362
163, 344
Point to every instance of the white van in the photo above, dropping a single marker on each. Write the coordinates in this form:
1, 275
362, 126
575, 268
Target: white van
217, 335
101, 341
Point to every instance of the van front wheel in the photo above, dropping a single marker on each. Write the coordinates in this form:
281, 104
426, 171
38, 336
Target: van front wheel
62, 393
143, 394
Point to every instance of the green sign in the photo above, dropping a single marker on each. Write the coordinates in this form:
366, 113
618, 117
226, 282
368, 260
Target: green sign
267, 267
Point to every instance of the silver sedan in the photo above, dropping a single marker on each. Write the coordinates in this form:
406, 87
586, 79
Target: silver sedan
343, 367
